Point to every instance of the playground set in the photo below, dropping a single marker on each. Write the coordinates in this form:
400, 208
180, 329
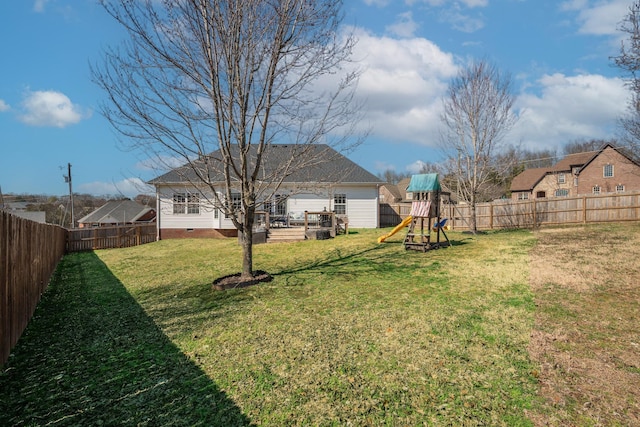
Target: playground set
424, 218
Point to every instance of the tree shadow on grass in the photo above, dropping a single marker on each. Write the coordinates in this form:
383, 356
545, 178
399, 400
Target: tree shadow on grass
91, 356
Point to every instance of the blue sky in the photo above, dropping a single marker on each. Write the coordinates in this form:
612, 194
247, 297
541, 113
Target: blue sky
556, 51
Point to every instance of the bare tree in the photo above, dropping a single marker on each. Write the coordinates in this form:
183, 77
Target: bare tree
629, 62
477, 114
230, 77
584, 146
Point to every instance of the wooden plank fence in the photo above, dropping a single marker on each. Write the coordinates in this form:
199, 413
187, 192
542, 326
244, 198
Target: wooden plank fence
29, 253
503, 214
87, 239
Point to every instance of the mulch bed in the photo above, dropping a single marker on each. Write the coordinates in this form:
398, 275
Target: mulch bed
235, 281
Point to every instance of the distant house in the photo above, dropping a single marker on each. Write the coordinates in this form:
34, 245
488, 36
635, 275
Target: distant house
389, 193
395, 193
607, 170
19, 209
332, 183
118, 212
37, 216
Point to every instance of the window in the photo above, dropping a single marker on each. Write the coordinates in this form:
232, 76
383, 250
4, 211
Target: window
575, 182
596, 189
523, 196
541, 195
186, 203
562, 192
236, 204
281, 205
561, 178
608, 171
620, 188
340, 204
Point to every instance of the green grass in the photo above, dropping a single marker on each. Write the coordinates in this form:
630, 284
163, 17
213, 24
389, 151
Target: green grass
348, 332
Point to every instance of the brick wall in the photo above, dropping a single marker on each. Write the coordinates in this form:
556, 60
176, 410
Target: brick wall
625, 173
550, 184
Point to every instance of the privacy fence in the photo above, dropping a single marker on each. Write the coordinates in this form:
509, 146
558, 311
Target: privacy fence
29, 253
505, 214
86, 239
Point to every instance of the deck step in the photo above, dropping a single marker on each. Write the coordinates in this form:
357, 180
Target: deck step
286, 234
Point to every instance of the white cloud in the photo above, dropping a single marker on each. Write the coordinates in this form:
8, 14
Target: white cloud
4, 106
405, 80
600, 19
476, 3
129, 187
402, 85
38, 5
568, 108
415, 167
379, 3
404, 26
461, 21
50, 108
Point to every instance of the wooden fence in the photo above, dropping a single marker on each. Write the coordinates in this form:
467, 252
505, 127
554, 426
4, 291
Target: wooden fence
87, 239
29, 253
530, 213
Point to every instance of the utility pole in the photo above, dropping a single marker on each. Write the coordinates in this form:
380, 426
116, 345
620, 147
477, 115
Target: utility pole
67, 178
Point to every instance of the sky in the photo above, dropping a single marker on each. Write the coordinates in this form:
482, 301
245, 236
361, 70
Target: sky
557, 53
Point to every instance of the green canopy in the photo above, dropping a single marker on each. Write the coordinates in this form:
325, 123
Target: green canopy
424, 182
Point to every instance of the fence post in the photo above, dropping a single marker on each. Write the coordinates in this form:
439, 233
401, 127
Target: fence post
584, 209
491, 216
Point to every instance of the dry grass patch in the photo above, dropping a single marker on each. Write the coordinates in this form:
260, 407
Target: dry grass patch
587, 286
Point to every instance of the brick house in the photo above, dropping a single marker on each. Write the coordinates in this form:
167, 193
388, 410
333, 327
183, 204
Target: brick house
395, 193
608, 170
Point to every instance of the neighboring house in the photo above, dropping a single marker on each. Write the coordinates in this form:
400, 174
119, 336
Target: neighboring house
19, 209
395, 193
402, 187
389, 193
37, 216
331, 182
608, 170
118, 212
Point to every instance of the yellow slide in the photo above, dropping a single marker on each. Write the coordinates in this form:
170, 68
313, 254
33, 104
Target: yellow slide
398, 227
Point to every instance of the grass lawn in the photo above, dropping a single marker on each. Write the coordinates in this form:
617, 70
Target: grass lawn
349, 332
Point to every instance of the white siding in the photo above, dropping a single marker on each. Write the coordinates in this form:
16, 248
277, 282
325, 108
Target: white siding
170, 220
362, 204
362, 207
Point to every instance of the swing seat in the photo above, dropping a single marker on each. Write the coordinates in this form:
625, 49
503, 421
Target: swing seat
440, 225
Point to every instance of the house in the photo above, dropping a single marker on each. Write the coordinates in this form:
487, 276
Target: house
389, 193
395, 193
118, 212
607, 170
19, 209
324, 181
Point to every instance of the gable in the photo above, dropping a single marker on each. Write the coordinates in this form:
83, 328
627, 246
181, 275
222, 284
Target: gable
527, 179
116, 211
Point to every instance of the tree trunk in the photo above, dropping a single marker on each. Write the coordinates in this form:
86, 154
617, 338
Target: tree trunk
247, 243
473, 219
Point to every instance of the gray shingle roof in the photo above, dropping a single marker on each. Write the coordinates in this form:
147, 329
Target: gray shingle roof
299, 164
116, 212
